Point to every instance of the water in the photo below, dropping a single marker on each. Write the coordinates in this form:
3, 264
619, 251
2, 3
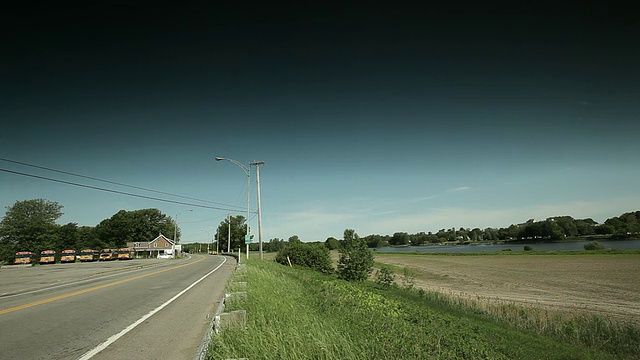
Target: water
574, 245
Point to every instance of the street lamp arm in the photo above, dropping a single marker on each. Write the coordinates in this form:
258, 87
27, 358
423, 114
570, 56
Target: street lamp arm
244, 168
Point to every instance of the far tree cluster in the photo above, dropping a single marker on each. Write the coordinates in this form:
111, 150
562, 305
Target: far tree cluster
30, 225
553, 228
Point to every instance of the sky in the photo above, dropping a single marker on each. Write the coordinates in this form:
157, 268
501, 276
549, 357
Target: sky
378, 119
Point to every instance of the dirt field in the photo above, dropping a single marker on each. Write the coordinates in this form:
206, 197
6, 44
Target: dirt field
607, 285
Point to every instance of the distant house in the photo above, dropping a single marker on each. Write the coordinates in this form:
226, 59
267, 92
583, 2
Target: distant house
159, 245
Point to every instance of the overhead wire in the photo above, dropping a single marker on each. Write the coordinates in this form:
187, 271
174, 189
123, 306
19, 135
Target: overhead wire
115, 183
116, 191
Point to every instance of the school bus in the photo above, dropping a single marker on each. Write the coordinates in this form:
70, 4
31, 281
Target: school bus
108, 255
47, 257
125, 254
23, 257
89, 255
68, 256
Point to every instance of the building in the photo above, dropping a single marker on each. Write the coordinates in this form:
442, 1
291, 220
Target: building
161, 245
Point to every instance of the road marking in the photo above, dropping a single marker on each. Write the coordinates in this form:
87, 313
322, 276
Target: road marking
94, 277
91, 353
79, 292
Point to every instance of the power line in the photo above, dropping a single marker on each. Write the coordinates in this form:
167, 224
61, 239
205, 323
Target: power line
113, 182
117, 192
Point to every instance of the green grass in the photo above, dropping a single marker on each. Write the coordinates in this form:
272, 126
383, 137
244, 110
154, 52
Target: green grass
301, 314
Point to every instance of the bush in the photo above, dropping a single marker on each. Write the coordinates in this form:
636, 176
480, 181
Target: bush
594, 245
356, 261
408, 278
313, 256
385, 276
527, 248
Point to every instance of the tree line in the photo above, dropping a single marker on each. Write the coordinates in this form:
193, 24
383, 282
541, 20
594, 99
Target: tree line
626, 225
551, 229
30, 225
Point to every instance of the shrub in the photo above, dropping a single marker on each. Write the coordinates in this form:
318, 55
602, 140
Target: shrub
313, 256
385, 276
356, 261
594, 245
527, 248
408, 278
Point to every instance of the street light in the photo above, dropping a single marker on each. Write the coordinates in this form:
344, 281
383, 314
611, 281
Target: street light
248, 173
175, 234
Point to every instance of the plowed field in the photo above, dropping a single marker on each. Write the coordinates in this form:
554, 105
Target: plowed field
607, 285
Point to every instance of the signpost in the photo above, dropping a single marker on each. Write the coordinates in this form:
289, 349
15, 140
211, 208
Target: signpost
247, 241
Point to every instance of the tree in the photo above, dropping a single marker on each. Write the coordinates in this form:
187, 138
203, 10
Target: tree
131, 226
238, 231
29, 225
461, 234
567, 223
490, 234
332, 243
68, 236
585, 226
476, 234
275, 244
87, 238
399, 238
356, 261
623, 225
376, 241
294, 239
418, 239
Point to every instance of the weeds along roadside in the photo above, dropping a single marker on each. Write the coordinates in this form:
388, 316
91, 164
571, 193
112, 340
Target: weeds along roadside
301, 314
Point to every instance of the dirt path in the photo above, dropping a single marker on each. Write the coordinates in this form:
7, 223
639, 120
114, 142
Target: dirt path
603, 285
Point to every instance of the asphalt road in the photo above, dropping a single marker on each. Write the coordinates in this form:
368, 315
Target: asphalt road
110, 310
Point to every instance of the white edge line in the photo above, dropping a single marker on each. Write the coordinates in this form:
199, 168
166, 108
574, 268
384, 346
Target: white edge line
91, 353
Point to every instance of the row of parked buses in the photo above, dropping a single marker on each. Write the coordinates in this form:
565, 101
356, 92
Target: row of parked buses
67, 256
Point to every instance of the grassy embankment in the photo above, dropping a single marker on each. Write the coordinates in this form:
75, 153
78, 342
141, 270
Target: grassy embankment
300, 314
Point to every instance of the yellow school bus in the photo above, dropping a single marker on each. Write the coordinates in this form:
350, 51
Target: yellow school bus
23, 257
108, 255
125, 254
47, 257
89, 255
68, 256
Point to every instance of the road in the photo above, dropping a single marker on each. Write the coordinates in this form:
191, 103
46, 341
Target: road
110, 310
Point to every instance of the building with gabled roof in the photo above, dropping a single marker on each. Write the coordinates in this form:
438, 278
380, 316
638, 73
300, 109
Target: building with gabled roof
160, 245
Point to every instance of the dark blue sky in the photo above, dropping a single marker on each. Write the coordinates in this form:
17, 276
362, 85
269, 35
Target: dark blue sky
378, 119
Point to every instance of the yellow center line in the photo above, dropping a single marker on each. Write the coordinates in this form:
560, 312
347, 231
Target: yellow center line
64, 296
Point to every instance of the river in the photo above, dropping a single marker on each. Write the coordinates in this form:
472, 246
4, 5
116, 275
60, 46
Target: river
572, 245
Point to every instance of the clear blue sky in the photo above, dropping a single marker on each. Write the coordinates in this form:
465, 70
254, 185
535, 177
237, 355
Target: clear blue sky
380, 120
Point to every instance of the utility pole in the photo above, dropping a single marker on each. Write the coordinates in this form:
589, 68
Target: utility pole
257, 165
247, 171
229, 236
